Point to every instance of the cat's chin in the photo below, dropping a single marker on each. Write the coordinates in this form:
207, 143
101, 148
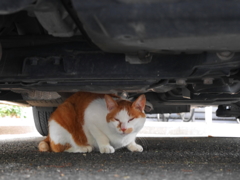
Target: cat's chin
123, 133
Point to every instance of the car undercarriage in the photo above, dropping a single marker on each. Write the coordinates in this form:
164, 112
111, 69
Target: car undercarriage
178, 53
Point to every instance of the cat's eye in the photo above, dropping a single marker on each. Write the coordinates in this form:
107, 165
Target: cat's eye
116, 119
130, 119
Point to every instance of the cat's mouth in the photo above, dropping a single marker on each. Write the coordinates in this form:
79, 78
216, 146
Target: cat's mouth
123, 133
127, 131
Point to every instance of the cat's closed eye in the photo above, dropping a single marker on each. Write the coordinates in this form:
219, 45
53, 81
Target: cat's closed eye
116, 119
130, 119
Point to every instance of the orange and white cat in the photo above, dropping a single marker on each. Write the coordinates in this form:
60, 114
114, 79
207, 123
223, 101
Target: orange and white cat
87, 121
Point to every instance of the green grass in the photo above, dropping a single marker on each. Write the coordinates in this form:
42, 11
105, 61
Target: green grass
12, 111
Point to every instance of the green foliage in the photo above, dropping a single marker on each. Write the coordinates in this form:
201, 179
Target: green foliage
11, 111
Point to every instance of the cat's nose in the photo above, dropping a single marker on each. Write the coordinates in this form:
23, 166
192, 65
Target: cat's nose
123, 129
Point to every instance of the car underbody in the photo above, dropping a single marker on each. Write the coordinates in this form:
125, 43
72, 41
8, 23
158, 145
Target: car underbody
178, 53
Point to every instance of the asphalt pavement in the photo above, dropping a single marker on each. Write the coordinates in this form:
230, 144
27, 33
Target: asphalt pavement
163, 158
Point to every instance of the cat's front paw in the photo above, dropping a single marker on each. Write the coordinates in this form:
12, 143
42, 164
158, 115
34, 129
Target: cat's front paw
85, 149
80, 149
135, 148
106, 149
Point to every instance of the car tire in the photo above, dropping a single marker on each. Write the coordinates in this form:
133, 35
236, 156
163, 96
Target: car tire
41, 116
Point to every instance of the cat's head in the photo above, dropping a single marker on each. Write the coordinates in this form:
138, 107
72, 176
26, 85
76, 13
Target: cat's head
125, 116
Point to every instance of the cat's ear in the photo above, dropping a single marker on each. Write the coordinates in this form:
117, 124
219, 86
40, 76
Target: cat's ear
111, 103
140, 103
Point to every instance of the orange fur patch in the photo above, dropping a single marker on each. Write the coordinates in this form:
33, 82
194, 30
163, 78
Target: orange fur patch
119, 125
59, 147
128, 131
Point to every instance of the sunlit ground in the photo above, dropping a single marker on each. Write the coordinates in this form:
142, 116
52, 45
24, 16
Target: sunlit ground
12, 128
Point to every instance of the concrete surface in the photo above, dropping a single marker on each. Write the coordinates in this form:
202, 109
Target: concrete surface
163, 158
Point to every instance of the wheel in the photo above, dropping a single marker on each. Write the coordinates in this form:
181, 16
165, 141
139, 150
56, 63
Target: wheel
41, 115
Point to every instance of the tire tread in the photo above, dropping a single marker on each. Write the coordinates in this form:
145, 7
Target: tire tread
41, 116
